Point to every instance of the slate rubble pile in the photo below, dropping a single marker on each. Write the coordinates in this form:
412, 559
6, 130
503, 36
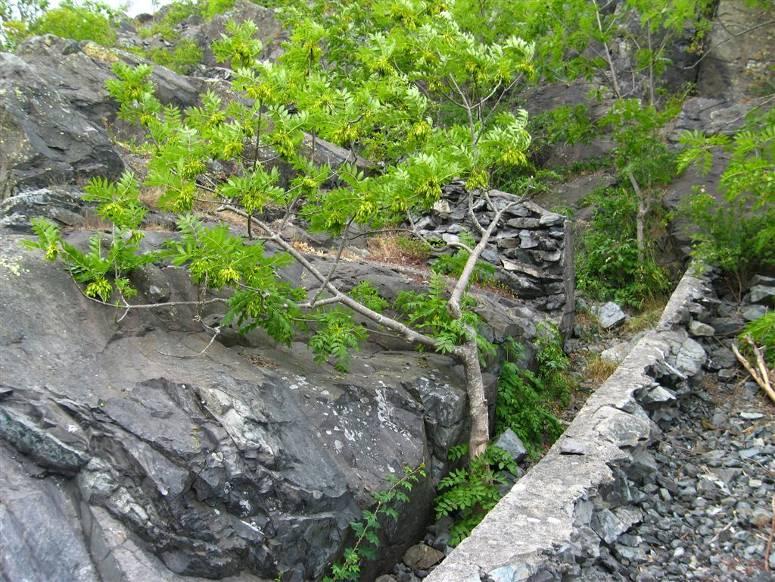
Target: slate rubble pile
704, 502
531, 247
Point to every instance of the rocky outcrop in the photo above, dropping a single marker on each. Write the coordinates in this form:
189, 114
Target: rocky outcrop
269, 30
55, 112
246, 459
740, 59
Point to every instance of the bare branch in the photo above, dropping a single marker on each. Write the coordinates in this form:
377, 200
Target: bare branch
761, 377
468, 270
472, 215
406, 332
333, 268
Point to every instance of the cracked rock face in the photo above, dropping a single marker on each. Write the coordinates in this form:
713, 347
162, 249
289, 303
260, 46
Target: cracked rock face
54, 108
246, 461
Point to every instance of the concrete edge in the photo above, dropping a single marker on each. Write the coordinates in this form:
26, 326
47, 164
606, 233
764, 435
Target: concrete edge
542, 529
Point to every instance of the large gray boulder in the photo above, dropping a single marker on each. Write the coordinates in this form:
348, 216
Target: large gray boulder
159, 463
55, 112
270, 31
742, 45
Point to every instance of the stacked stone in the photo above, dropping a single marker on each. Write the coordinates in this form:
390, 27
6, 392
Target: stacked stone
531, 246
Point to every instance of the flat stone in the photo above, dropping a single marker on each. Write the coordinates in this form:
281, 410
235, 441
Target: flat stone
512, 444
570, 446
699, 329
751, 415
616, 353
761, 294
690, 357
607, 526
657, 395
422, 557
754, 312
610, 315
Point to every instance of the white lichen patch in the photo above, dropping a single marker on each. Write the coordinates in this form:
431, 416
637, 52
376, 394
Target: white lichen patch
12, 265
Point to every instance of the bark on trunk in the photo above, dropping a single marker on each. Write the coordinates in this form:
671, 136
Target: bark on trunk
477, 403
640, 218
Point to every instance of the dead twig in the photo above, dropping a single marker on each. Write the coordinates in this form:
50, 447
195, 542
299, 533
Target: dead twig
760, 376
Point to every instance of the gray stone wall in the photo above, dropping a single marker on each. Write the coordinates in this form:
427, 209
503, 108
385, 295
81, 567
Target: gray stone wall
532, 248
578, 501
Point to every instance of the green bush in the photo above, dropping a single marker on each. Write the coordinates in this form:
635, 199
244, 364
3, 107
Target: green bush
762, 332
172, 15
87, 21
553, 363
737, 231
468, 493
181, 59
523, 406
608, 266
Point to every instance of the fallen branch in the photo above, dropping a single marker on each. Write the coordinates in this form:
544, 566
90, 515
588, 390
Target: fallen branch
760, 376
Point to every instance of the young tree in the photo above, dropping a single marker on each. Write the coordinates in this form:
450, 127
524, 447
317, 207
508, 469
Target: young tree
379, 111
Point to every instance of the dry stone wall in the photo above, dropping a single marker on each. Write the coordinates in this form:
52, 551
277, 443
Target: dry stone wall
532, 248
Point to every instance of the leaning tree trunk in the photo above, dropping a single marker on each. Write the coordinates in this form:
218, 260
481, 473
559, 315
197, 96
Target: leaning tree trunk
477, 402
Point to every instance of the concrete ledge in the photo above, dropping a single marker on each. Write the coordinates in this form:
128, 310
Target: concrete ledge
577, 498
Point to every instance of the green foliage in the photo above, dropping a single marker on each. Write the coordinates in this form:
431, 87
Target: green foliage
469, 493
737, 231
118, 202
553, 363
640, 149
87, 20
255, 189
336, 336
523, 406
166, 21
762, 332
238, 46
102, 270
608, 267
428, 312
211, 8
216, 259
453, 264
567, 124
134, 91
16, 16
367, 529
182, 58
367, 294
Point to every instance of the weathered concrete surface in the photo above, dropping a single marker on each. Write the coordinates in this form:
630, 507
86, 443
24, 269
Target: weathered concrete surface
577, 498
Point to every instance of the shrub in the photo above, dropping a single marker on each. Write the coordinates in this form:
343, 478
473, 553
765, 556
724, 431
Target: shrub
553, 363
87, 21
182, 59
469, 493
737, 231
522, 406
608, 265
762, 332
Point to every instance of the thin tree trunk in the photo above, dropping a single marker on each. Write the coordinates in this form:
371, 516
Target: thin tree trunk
608, 57
640, 217
652, 98
477, 403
